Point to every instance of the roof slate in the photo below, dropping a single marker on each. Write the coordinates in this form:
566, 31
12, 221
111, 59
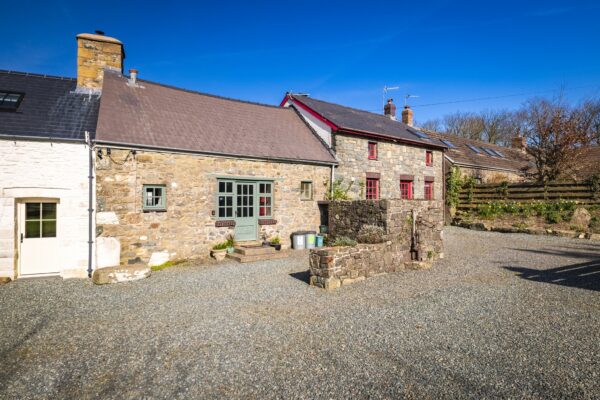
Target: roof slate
364, 121
513, 159
50, 107
159, 116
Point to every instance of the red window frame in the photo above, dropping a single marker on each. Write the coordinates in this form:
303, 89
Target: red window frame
428, 158
428, 190
406, 190
372, 189
372, 149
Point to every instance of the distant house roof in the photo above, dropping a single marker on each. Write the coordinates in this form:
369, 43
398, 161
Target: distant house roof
159, 116
468, 152
344, 118
50, 107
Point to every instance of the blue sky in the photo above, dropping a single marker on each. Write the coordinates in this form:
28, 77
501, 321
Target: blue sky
340, 51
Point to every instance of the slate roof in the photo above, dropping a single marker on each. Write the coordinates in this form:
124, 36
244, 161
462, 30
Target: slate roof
50, 107
347, 118
159, 116
513, 160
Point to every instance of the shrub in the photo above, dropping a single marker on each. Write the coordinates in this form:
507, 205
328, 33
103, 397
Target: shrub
553, 212
221, 246
344, 241
275, 240
595, 224
371, 234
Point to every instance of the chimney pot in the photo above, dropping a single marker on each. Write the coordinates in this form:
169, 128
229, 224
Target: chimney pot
390, 109
101, 33
407, 115
133, 76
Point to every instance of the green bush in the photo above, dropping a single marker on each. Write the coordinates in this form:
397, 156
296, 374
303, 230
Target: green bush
552, 212
344, 241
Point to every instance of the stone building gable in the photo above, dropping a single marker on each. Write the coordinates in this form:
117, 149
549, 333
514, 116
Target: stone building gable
393, 160
188, 228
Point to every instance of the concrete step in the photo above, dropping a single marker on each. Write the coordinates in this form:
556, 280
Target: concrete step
257, 257
253, 250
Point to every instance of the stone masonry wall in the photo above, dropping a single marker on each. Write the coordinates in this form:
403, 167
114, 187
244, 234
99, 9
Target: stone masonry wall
392, 161
331, 267
490, 176
187, 229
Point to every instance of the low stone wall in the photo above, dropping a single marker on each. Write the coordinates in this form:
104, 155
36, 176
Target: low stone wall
331, 267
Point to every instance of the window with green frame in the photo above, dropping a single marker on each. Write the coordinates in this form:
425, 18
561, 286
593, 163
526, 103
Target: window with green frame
225, 195
265, 199
154, 197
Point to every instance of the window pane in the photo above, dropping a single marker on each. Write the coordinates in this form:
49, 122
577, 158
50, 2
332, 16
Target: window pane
32, 229
48, 210
229, 201
261, 188
267, 188
222, 187
229, 212
221, 201
221, 212
229, 187
48, 229
32, 211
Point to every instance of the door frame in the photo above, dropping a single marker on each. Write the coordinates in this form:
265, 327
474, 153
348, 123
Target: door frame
19, 229
254, 205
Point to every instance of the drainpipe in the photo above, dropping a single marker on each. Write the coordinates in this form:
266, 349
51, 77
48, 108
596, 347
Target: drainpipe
331, 182
90, 201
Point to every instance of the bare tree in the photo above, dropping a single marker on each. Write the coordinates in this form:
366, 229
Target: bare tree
556, 135
431, 125
469, 125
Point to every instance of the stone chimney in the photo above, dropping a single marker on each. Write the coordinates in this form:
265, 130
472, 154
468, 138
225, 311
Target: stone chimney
95, 52
389, 109
519, 142
407, 115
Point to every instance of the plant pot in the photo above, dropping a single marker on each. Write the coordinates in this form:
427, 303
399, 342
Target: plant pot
219, 255
277, 246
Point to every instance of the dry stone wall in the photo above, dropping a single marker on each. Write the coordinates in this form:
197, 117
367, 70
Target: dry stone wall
331, 267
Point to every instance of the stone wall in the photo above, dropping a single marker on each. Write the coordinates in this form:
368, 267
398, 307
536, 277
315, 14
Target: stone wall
334, 266
491, 176
393, 160
187, 228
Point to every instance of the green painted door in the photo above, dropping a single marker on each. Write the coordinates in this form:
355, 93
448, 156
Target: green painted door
246, 220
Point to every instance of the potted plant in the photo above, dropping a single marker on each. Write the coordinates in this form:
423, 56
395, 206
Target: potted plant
219, 251
230, 244
276, 242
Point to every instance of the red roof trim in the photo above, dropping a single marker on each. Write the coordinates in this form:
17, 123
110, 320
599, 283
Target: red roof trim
387, 137
312, 112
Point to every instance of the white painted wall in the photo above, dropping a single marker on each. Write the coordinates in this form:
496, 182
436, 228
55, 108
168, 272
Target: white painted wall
322, 129
46, 170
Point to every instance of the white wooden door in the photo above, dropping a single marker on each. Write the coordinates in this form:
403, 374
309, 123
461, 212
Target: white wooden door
38, 243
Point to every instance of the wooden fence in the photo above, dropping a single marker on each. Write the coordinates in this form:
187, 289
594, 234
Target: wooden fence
527, 192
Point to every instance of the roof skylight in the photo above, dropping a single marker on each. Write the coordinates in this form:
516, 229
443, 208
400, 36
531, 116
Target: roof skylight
419, 134
475, 149
448, 143
10, 101
499, 153
490, 152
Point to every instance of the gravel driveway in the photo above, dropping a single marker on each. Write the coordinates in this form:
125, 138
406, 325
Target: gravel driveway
501, 316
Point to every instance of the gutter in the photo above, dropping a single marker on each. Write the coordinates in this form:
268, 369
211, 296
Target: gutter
130, 146
42, 139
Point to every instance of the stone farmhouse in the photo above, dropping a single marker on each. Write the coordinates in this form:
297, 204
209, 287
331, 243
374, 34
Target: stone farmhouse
379, 156
108, 169
486, 162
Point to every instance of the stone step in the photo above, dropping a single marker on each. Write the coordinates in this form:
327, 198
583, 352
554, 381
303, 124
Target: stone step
258, 257
254, 250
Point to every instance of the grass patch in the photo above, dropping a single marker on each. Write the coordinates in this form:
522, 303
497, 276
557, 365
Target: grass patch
167, 264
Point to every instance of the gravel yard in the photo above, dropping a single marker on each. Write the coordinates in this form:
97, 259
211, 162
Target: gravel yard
503, 315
